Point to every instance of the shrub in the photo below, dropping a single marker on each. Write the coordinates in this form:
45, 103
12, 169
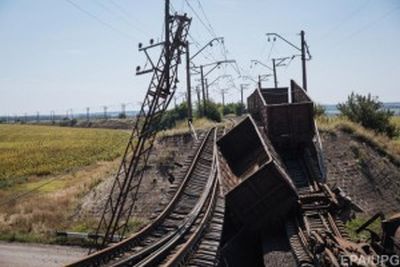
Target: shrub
213, 112
233, 108
319, 110
170, 117
369, 112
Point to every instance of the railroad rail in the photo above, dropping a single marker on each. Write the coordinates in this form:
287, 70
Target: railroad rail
316, 203
174, 236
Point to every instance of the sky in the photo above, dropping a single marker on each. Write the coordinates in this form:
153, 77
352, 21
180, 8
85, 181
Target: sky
58, 55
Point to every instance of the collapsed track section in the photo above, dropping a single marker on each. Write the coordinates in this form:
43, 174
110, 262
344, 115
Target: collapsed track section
175, 236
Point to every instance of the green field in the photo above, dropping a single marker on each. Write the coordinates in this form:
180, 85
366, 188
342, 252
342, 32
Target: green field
27, 150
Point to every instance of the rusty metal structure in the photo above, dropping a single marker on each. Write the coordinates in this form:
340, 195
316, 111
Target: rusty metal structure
122, 198
274, 176
258, 188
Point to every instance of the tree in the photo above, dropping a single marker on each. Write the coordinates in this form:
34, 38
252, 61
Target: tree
369, 112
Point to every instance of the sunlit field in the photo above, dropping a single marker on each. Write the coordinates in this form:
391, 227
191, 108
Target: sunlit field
27, 150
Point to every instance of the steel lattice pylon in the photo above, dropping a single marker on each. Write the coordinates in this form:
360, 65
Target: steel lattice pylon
123, 195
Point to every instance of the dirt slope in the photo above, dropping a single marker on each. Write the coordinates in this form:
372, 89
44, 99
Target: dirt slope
368, 177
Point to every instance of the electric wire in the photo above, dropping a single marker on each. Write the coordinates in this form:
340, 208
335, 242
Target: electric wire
99, 20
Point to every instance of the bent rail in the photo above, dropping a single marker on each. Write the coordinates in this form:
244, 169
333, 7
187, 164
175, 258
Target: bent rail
103, 256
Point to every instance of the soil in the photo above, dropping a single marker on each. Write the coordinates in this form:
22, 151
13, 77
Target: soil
167, 165
370, 179
35, 255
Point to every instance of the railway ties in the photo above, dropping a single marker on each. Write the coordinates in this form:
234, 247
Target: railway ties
192, 205
315, 219
174, 217
206, 252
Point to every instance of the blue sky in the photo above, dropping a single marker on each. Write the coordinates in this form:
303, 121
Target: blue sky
55, 56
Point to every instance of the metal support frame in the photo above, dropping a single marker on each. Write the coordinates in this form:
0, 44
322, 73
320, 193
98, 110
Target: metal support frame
124, 192
189, 85
303, 49
204, 75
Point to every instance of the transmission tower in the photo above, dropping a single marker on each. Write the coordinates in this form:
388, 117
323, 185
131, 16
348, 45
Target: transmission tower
123, 196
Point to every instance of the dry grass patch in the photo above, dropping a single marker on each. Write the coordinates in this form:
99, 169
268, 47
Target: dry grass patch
383, 144
35, 217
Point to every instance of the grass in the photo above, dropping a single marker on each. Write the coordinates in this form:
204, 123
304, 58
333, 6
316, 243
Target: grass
46, 171
27, 150
384, 145
36, 216
355, 223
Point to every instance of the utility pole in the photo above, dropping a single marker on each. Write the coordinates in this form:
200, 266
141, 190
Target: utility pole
206, 83
124, 194
204, 75
242, 87
241, 99
188, 84
105, 112
88, 114
198, 98
167, 45
274, 70
303, 60
223, 91
123, 110
203, 90
303, 49
223, 99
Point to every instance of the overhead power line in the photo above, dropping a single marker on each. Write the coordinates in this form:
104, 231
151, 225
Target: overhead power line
120, 15
200, 20
372, 23
205, 16
96, 18
346, 19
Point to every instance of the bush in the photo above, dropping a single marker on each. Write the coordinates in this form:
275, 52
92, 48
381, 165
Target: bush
319, 110
170, 117
233, 108
369, 112
213, 112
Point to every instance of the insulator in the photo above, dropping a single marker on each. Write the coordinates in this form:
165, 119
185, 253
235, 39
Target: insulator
151, 41
137, 68
140, 45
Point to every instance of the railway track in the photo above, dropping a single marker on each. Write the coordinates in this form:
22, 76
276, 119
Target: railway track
316, 218
175, 236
